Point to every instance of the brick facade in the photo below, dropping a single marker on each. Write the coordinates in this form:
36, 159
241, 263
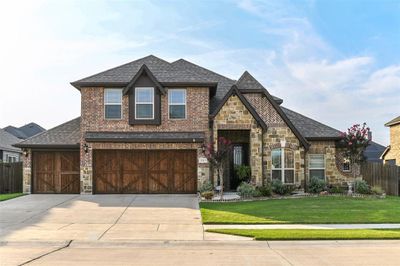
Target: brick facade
92, 119
27, 172
394, 152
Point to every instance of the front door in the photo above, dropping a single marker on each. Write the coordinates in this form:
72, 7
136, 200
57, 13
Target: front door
239, 156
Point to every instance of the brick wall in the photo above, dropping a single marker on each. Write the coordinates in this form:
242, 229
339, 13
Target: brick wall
27, 172
92, 119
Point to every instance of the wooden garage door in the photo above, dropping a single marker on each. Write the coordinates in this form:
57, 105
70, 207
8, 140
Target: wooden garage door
145, 171
56, 172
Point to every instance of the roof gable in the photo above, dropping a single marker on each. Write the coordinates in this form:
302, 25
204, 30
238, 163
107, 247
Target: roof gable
247, 82
144, 70
7, 140
235, 91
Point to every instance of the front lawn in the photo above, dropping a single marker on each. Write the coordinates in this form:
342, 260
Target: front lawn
9, 196
312, 234
313, 210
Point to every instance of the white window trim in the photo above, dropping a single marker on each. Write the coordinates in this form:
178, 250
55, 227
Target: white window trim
169, 103
283, 168
105, 103
152, 102
316, 168
349, 170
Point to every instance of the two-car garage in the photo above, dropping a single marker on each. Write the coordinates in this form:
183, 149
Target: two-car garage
117, 171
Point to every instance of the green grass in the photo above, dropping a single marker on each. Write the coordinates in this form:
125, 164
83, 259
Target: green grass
9, 196
304, 210
312, 234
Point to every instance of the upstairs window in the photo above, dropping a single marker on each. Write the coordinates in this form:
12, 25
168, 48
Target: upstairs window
144, 103
113, 103
317, 166
283, 165
177, 103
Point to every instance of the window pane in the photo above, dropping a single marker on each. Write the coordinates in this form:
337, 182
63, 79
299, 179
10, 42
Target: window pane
276, 174
317, 161
276, 158
112, 96
113, 111
237, 155
289, 176
289, 158
318, 174
177, 96
144, 111
176, 111
144, 95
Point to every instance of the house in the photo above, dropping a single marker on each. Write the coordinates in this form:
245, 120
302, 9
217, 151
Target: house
392, 153
374, 152
25, 131
9, 153
143, 125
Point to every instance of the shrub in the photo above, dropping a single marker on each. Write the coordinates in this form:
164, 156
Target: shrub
266, 190
316, 185
246, 190
207, 195
243, 172
206, 186
282, 189
336, 189
257, 193
360, 186
377, 190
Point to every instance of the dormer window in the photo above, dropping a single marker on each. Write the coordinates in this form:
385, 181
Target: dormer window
177, 103
144, 103
112, 103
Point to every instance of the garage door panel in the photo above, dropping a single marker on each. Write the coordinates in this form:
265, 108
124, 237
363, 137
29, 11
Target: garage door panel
147, 171
56, 172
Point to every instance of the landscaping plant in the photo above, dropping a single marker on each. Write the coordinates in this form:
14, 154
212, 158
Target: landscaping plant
265, 190
243, 172
377, 190
246, 190
360, 186
281, 189
216, 157
206, 186
208, 195
355, 141
316, 185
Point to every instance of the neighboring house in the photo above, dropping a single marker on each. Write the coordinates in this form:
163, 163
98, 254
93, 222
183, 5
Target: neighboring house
374, 152
143, 124
25, 131
9, 153
392, 153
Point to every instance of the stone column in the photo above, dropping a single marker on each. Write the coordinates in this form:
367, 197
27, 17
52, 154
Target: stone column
27, 172
86, 171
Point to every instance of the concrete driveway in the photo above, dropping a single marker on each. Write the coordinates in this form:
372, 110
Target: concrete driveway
100, 218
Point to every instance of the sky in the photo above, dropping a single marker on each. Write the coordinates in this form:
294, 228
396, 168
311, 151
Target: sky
336, 61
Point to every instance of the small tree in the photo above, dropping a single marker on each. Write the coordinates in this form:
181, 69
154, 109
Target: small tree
217, 157
356, 141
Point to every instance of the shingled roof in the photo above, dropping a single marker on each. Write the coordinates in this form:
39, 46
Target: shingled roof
65, 135
310, 128
25, 131
7, 140
177, 72
393, 122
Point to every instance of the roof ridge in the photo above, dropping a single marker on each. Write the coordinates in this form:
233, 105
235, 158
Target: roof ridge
41, 133
196, 65
134, 61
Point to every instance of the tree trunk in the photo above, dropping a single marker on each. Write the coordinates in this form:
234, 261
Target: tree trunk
220, 170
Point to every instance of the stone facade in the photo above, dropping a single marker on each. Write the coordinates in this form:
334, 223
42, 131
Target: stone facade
334, 174
92, 119
394, 151
27, 172
235, 116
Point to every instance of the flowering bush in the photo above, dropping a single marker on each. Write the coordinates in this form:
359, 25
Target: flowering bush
217, 157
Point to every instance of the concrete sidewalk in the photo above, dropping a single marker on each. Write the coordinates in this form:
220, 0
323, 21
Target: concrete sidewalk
301, 226
202, 253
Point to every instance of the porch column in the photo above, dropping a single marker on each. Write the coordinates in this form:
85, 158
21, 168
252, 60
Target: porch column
86, 171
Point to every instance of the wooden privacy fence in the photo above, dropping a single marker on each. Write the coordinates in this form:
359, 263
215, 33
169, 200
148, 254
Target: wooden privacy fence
383, 175
11, 177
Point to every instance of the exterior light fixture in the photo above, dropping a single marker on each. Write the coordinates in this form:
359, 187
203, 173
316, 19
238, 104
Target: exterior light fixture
85, 148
